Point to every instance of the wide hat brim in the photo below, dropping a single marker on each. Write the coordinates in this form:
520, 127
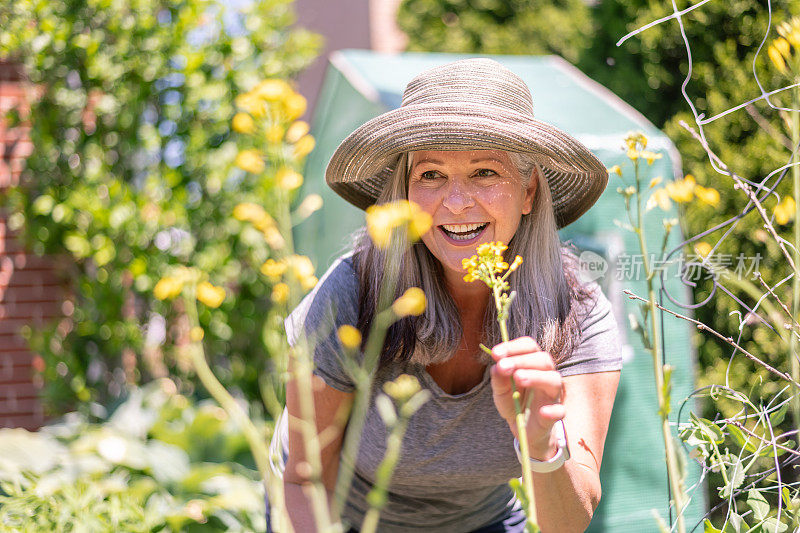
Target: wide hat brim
365, 160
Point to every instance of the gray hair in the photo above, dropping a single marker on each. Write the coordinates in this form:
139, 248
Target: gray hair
546, 283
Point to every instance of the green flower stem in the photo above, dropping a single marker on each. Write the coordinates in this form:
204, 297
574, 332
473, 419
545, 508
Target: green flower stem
673, 471
384, 472
255, 438
520, 417
793, 355
363, 380
355, 425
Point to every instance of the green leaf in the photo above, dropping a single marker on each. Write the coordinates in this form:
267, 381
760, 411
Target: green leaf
776, 418
758, 504
708, 527
771, 525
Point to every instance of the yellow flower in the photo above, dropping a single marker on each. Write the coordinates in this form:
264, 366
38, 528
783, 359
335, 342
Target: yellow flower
791, 31
274, 133
655, 181
492, 249
383, 219
707, 194
515, 264
209, 294
308, 282
296, 131
702, 248
402, 388
248, 212
250, 161
273, 269
301, 266
681, 190
272, 90
615, 170
251, 103
168, 287
776, 58
288, 179
274, 238
196, 334
784, 211
243, 123
412, 302
659, 197
304, 146
310, 204
295, 105
650, 156
783, 47
280, 293
632, 154
349, 336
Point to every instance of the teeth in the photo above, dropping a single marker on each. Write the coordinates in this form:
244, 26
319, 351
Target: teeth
463, 232
461, 228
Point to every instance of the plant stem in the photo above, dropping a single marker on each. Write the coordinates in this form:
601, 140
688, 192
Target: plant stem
255, 439
793, 355
658, 369
520, 419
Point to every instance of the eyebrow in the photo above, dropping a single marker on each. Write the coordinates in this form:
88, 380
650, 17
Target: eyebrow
473, 161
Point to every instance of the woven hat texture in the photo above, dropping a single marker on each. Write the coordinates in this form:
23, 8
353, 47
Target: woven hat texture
467, 104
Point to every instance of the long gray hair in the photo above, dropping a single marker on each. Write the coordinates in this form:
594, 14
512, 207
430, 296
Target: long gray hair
546, 284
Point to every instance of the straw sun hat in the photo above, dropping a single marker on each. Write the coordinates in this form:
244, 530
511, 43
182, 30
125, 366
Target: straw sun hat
467, 104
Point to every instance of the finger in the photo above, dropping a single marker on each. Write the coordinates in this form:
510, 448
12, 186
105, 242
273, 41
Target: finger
548, 383
553, 412
501, 384
536, 361
517, 346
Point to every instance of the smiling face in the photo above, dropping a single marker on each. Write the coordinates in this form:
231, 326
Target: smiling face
474, 196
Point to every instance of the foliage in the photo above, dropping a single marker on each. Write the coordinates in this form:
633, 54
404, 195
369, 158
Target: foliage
497, 26
158, 463
133, 171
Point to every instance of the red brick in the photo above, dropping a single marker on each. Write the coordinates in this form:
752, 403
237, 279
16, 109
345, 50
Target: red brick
13, 325
17, 390
29, 421
12, 342
31, 294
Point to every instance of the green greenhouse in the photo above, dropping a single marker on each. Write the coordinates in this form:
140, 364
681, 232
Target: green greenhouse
360, 85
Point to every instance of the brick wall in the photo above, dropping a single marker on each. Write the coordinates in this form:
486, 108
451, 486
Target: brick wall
29, 288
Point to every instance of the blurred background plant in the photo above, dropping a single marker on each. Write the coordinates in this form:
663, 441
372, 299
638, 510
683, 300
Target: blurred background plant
159, 462
131, 125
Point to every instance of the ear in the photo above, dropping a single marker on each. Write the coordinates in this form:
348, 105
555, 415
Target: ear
530, 192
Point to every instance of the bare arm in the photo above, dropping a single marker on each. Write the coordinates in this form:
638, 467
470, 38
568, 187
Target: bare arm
566, 498
331, 408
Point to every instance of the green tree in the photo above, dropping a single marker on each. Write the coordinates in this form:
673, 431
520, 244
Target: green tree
133, 171
497, 26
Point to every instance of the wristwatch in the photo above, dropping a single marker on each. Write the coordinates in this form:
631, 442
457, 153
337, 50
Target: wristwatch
555, 462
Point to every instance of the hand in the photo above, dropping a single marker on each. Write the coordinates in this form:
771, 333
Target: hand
535, 375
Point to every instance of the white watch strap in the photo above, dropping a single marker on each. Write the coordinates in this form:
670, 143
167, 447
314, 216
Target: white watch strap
555, 462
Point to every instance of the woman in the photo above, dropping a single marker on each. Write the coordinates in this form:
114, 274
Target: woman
465, 147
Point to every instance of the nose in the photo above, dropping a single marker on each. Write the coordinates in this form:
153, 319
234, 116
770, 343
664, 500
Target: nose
457, 197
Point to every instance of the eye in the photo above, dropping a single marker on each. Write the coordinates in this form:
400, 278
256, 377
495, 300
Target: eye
429, 175
485, 173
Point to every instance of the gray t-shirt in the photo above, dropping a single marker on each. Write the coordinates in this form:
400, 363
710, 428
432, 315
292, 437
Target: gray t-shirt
457, 454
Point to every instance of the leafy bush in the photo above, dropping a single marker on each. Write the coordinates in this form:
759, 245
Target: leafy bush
158, 463
133, 171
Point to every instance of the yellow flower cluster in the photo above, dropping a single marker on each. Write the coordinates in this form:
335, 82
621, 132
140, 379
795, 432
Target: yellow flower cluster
383, 219
299, 265
489, 263
635, 144
785, 210
172, 286
411, 303
270, 111
681, 191
781, 50
262, 221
